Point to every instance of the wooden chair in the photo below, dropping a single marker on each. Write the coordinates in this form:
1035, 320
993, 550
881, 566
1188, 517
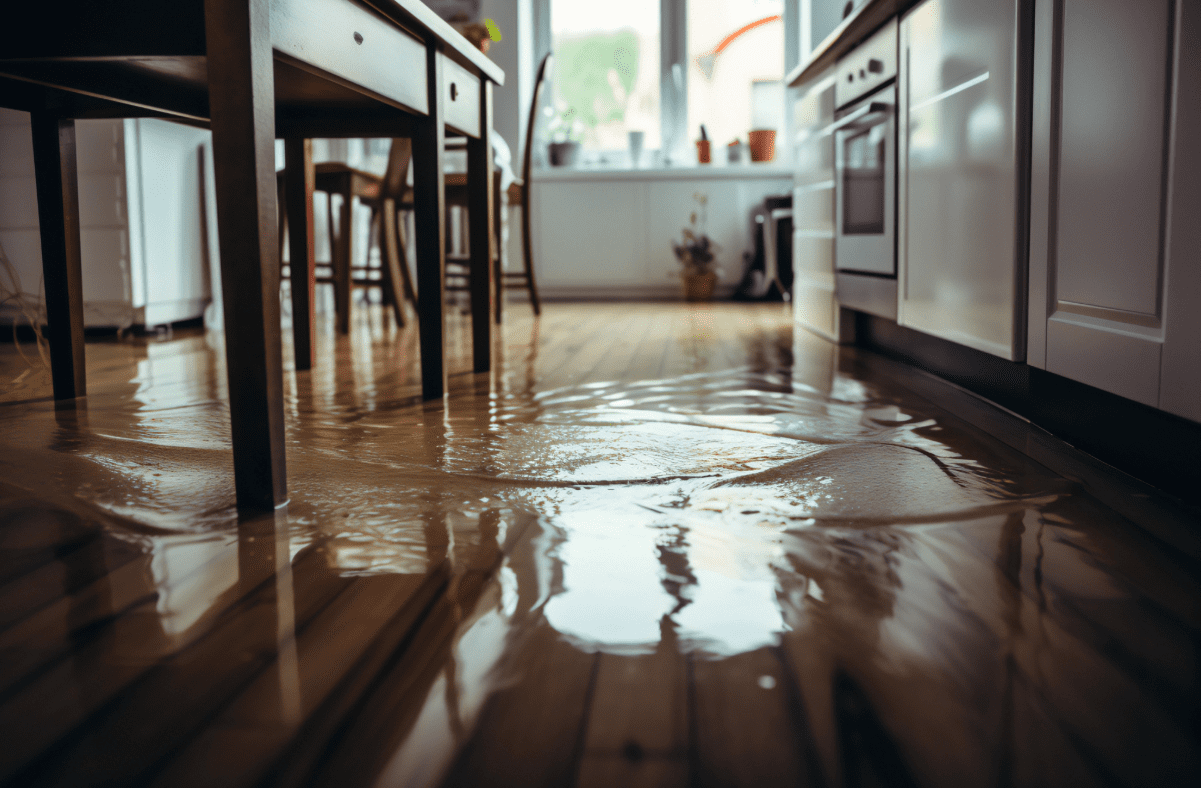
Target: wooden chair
369, 188
388, 194
519, 193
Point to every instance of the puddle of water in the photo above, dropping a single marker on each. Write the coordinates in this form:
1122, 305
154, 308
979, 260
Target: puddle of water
718, 513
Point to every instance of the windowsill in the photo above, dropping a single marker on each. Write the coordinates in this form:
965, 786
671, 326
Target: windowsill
772, 169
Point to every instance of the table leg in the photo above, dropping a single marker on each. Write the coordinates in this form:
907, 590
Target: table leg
500, 220
58, 210
299, 180
480, 240
344, 257
429, 221
242, 107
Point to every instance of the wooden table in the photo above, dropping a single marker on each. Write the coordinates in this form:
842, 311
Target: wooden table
252, 71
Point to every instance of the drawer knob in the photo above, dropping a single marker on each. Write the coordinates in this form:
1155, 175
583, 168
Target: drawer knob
358, 38
454, 91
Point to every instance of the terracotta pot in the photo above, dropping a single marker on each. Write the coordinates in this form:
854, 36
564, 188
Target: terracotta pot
699, 287
763, 144
702, 151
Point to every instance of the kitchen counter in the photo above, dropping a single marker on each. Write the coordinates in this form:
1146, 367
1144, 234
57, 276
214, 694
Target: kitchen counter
696, 172
853, 29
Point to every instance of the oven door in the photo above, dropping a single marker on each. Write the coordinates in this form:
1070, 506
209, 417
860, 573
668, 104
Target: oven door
865, 186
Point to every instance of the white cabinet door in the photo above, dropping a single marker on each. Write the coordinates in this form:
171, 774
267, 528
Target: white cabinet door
1098, 269
588, 234
816, 306
170, 261
961, 251
1180, 378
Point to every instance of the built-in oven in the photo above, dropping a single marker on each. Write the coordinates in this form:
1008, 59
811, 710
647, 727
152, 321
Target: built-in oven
865, 175
865, 186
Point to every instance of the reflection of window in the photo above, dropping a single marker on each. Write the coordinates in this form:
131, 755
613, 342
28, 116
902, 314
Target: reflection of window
721, 87
606, 73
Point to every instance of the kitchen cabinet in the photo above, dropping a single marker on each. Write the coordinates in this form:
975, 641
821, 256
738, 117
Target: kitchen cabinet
961, 147
814, 299
1115, 250
141, 223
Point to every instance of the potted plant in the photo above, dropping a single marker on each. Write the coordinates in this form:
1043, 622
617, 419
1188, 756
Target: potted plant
565, 132
697, 254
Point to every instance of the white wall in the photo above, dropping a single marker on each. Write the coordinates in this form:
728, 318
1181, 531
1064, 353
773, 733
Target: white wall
609, 235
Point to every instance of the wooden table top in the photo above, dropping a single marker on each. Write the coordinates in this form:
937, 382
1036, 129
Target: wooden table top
146, 58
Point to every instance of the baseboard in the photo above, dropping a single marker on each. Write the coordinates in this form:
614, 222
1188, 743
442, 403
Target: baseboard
1153, 446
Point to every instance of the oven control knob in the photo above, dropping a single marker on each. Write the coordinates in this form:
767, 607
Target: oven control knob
850, 77
862, 74
876, 66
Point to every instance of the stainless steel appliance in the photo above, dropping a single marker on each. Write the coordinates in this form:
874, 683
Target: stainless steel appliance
865, 183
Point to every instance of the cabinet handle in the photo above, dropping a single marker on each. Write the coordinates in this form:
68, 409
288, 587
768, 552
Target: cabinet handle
454, 91
857, 116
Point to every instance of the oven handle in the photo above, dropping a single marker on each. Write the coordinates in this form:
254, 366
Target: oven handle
857, 116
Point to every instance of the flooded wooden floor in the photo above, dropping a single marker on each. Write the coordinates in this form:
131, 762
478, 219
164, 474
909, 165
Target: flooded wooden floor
659, 545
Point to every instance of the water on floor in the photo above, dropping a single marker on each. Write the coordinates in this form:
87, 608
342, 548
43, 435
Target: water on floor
696, 551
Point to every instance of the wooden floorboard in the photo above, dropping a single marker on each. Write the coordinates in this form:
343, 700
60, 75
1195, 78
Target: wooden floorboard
745, 730
529, 735
416, 617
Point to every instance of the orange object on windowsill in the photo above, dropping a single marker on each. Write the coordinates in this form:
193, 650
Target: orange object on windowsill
702, 151
763, 144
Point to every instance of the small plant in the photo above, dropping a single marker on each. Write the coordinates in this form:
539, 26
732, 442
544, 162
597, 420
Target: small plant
698, 251
565, 126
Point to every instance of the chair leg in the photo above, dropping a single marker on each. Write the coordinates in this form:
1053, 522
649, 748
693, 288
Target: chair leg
332, 237
390, 259
298, 182
342, 263
402, 254
375, 239
526, 250
281, 209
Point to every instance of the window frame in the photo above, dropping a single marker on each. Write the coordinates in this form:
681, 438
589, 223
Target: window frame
673, 50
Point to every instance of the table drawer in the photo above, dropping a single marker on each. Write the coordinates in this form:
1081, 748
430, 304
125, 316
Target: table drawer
353, 43
460, 97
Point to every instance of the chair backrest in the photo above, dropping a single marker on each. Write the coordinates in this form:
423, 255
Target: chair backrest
397, 171
530, 128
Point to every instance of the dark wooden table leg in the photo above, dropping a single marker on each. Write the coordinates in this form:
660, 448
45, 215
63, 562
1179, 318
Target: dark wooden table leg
242, 106
500, 220
429, 220
58, 212
343, 257
299, 179
480, 227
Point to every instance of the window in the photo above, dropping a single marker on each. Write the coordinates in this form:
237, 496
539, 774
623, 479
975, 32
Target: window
735, 68
606, 75
663, 67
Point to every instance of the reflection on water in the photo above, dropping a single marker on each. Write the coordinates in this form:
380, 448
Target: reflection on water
942, 610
